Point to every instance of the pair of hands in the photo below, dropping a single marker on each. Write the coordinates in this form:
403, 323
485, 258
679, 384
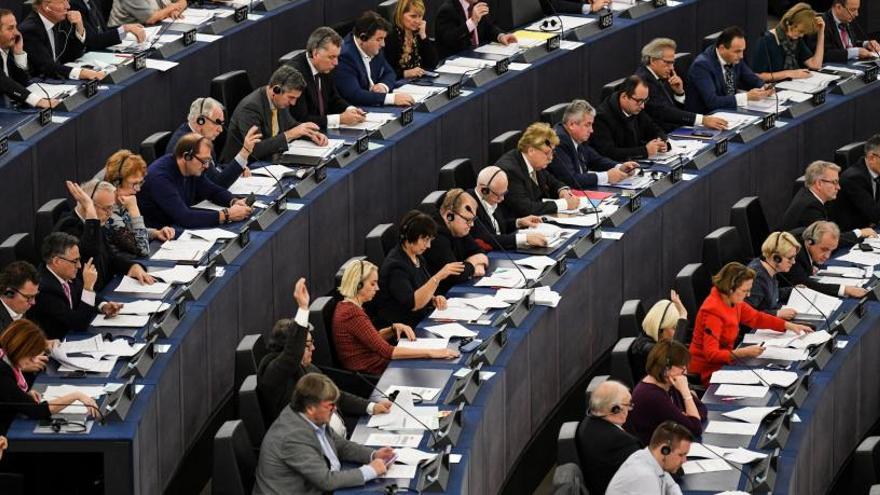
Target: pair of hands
400, 99
621, 172
532, 239
308, 130
752, 351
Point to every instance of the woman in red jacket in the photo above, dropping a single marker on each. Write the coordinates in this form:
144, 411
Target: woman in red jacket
716, 328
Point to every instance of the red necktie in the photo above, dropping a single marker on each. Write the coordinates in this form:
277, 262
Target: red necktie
844, 36
475, 38
320, 96
66, 288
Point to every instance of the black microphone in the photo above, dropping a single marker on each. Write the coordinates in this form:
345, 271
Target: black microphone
708, 331
597, 229
281, 193
497, 245
467, 73
796, 289
391, 398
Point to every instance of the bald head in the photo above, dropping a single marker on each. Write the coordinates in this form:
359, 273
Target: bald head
492, 185
609, 395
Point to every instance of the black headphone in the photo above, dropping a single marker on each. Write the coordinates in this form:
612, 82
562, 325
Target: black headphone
191, 152
775, 257
360, 276
660, 323
118, 180
277, 89
200, 120
665, 449
371, 28
451, 215
405, 226
9, 292
809, 234
615, 409
485, 189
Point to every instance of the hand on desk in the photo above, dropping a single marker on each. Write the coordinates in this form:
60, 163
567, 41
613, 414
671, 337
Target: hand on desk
413, 73
138, 273
655, 146
445, 353
528, 221
136, 30
507, 39
111, 309
616, 174
36, 396
50, 103
352, 115
797, 328
301, 294
439, 302
786, 313
403, 100
89, 74
855, 292
749, 351
382, 407
796, 74
713, 122
164, 234
536, 240
308, 130
239, 210
759, 93
867, 232
402, 331
873, 46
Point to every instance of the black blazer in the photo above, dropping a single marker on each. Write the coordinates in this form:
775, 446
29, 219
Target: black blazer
307, 108
36, 41
93, 244
602, 447
14, 85
223, 177
573, 165
399, 279
524, 197
16, 401
98, 35
254, 110
855, 206
448, 249
766, 295
805, 209
801, 272
394, 50
662, 106
623, 138
482, 229
5, 319
834, 50
53, 313
452, 33
563, 6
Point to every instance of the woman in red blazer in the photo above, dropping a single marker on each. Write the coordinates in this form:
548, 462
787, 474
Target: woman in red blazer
716, 328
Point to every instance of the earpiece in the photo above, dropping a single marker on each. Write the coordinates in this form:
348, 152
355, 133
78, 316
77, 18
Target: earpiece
615, 409
9, 293
191, 153
660, 324
278, 88
360, 276
485, 190
451, 215
404, 228
776, 258
200, 120
117, 181
665, 450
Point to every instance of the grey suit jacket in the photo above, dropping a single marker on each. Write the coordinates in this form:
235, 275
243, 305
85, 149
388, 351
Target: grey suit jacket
254, 110
291, 459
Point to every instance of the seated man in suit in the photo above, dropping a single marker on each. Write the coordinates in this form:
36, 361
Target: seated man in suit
14, 73
206, 118
464, 24
858, 202
575, 162
666, 96
363, 76
495, 226
20, 285
585, 7
85, 222
454, 242
533, 190
842, 42
55, 35
820, 240
821, 185
602, 443
98, 35
266, 108
321, 102
623, 131
175, 183
300, 454
66, 302
719, 72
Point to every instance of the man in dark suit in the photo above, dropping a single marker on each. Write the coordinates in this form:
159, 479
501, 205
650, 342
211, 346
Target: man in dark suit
820, 240
14, 72
821, 185
842, 42
364, 76
666, 96
55, 35
206, 118
321, 102
585, 7
623, 131
20, 285
533, 190
495, 226
602, 443
66, 302
465, 24
718, 72
266, 108
98, 35
574, 161
858, 202
454, 242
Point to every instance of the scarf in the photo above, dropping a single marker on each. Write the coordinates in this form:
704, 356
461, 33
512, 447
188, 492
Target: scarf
789, 49
19, 377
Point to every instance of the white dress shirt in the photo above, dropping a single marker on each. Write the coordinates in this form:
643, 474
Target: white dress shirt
641, 474
742, 99
21, 61
698, 120
490, 209
75, 72
366, 59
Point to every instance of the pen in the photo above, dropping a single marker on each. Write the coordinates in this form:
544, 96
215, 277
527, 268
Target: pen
729, 399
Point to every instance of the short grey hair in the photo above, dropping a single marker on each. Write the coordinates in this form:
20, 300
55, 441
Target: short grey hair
322, 37
872, 145
819, 229
202, 107
94, 186
607, 395
816, 169
488, 173
288, 78
576, 109
654, 49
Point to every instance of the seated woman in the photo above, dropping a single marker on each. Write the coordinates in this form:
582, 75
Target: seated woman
22, 350
778, 255
408, 48
408, 289
125, 228
147, 12
661, 323
782, 53
716, 329
359, 345
664, 394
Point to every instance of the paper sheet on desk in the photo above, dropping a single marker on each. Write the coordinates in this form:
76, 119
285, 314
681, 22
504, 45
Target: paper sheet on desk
633, 183
750, 414
732, 428
399, 417
278, 171
412, 457
375, 120
861, 258
178, 253
261, 186
496, 48
424, 343
568, 22
729, 390
393, 440
304, 147
426, 393
788, 339
143, 307
89, 364
795, 96
816, 82
400, 472
783, 354
417, 91
536, 262
179, 274
857, 272
207, 205
448, 68
160, 65
450, 330
470, 62
507, 277
214, 234
129, 284
736, 120
807, 301
456, 313
781, 378
54, 90
482, 303
705, 466
121, 320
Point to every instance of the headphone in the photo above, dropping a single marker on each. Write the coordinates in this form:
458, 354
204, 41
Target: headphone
191, 152
665, 449
9, 293
277, 89
615, 409
485, 189
809, 234
451, 215
118, 180
405, 226
775, 257
371, 28
360, 276
660, 324
200, 120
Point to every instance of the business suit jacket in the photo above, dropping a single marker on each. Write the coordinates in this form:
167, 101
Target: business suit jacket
5, 319
446, 248
292, 461
563, 6
393, 50
834, 49
14, 85
855, 206
223, 177
573, 164
352, 80
804, 209
36, 41
662, 106
98, 35
94, 244
483, 229
452, 33
307, 108
801, 273
602, 447
52, 311
705, 83
623, 138
524, 197
254, 110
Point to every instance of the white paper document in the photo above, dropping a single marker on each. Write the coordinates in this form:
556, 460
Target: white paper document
59, 91
424, 343
861, 258
732, 428
783, 354
375, 120
750, 414
730, 390
848, 271
304, 147
736, 120
393, 440
426, 393
143, 307
780, 378
807, 301
131, 285
400, 417
179, 274
705, 466
482, 303
130, 321
460, 313
160, 65
214, 234
450, 330
261, 186
471, 63
413, 457
278, 171
536, 262
813, 84
207, 205
508, 277
855, 282
568, 22
496, 48
400, 471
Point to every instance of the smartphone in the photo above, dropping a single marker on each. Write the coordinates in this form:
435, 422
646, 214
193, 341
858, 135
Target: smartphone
250, 199
431, 74
702, 133
864, 246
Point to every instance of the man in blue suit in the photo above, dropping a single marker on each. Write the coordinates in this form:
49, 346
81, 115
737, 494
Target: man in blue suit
719, 72
364, 77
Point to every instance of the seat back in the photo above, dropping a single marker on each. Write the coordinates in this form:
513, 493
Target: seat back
683, 62
501, 144
553, 114
611, 87
748, 217
866, 465
234, 460
566, 444
248, 354
629, 321
379, 242
287, 57
621, 369
710, 39
432, 202
154, 146
386, 9
321, 318
230, 88
47, 217
721, 247
18, 247
250, 411
568, 479
457, 173
692, 284
849, 154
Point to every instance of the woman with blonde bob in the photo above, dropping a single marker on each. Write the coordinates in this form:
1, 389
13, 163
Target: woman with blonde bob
782, 53
408, 48
660, 324
778, 255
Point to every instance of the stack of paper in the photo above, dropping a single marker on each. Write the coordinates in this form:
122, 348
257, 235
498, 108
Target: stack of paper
121, 320
96, 347
680, 150
185, 248
750, 414
426, 393
261, 186
633, 183
143, 307
861, 258
461, 313
413, 456
483, 303
400, 417
213, 235
450, 330
813, 84
849, 271
304, 147
788, 339
704, 466
736, 120
754, 377
783, 354
729, 390
732, 428
69, 363
131, 285
795, 96
508, 277
179, 274
194, 17
495, 48
424, 344
59, 91
807, 301
278, 171
393, 440
399, 471
471, 63
375, 120
738, 455
536, 262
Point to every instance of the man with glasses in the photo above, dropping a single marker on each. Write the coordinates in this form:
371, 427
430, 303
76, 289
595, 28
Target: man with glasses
66, 302
821, 185
666, 96
20, 285
858, 202
820, 240
206, 118
623, 131
454, 242
301, 455
175, 183
494, 225
842, 41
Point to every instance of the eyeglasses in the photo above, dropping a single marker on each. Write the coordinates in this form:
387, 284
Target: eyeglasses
667, 62
137, 184
76, 262
499, 194
835, 182
28, 297
548, 153
106, 209
206, 162
217, 122
468, 221
639, 101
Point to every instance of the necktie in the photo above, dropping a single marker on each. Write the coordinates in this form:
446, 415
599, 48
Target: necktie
876, 188
66, 287
54, 40
475, 38
844, 36
6, 62
729, 83
534, 176
320, 96
274, 121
